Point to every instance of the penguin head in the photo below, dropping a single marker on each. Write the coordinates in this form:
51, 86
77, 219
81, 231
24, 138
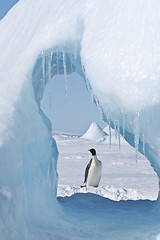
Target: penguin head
93, 151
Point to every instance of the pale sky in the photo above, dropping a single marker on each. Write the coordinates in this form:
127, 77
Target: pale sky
74, 113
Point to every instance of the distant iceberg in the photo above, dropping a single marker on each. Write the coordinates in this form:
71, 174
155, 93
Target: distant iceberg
95, 133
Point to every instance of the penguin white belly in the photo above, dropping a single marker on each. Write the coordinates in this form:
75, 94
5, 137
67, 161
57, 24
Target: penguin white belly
94, 174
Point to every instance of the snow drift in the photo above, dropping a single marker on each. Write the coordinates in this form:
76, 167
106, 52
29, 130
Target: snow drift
115, 47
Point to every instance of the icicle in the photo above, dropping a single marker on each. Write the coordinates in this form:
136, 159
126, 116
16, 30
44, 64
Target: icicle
92, 107
119, 137
43, 66
144, 139
65, 73
123, 127
57, 62
71, 62
115, 128
144, 144
83, 68
50, 64
75, 51
99, 110
88, 85
101, 115
136, 134
92, 96
49, 76
110, 138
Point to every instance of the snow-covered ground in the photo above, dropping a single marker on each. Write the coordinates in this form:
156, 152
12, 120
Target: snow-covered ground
122, 178
98, 213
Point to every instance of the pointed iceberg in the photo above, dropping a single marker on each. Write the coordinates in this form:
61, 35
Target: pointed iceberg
95, 133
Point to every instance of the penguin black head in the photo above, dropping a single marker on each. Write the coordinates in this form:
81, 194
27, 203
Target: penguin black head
93, 151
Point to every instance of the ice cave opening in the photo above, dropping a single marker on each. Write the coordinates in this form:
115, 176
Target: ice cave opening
115, 219
52, 63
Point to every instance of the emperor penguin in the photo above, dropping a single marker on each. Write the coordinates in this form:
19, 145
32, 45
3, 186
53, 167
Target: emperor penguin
93, 170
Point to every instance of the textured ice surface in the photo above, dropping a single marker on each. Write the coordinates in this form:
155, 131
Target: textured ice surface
114, 45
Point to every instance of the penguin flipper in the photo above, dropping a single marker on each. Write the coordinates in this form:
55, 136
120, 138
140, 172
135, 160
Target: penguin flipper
87, 170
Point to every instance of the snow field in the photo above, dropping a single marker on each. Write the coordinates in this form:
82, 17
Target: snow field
122, 178
105, 212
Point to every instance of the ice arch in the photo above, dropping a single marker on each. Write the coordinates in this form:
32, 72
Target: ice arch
118, 55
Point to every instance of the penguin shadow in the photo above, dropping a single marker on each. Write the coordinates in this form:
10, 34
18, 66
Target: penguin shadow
89, 209
94, 201
90, 212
